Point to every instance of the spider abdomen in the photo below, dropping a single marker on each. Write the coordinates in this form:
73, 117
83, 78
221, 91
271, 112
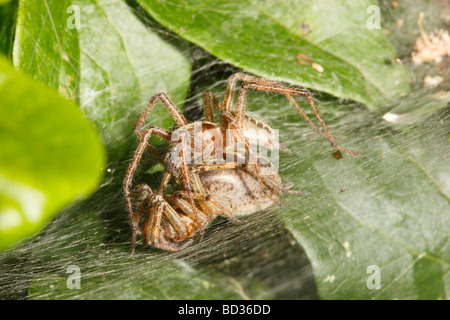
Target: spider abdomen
239, 191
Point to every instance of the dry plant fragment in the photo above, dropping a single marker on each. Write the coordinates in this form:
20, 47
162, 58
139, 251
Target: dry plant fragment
430, 48
430, 81
304, 60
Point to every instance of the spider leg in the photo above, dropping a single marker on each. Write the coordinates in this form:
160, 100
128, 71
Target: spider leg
164, 183
179, 197
185, 206
168, 246
157, 156
153, 223
170, 106
187, 184
142, 194
303, 114
208, 100
155, 235
265, 85
152, 231
127, 182
174, 219
231, 86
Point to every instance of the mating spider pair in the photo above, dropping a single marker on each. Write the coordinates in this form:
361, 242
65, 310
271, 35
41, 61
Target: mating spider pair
210, 184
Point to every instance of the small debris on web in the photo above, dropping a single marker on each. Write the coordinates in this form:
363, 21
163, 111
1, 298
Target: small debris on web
398, 60
430, 81
317, 67
337, 154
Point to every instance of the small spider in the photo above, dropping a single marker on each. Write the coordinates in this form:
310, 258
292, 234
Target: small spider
208, 187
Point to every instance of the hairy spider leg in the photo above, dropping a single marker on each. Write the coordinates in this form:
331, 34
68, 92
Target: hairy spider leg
208, 100
142, 193
152, 231
204, 200
173, 216
145, 195
155, 236
266, 85
128, 180
170, 106
187, 184
207, 197
178, 117
159, 207
164, 183
232, 84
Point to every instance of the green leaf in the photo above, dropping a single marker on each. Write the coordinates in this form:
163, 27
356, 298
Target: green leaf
123, 63
45, 48
50, 155
388, 208
8, 16
64, 44
266, 37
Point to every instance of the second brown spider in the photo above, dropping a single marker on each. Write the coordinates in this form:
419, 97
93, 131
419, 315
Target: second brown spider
207, 187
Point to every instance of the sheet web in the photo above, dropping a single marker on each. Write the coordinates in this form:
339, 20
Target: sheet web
273, 254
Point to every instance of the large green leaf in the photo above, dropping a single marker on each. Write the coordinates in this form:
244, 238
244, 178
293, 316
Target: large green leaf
94, 52
266, 37
50, 155
123, 63
388, 208
46, 47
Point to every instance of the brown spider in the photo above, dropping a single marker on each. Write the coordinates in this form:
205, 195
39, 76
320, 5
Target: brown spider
209, 186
